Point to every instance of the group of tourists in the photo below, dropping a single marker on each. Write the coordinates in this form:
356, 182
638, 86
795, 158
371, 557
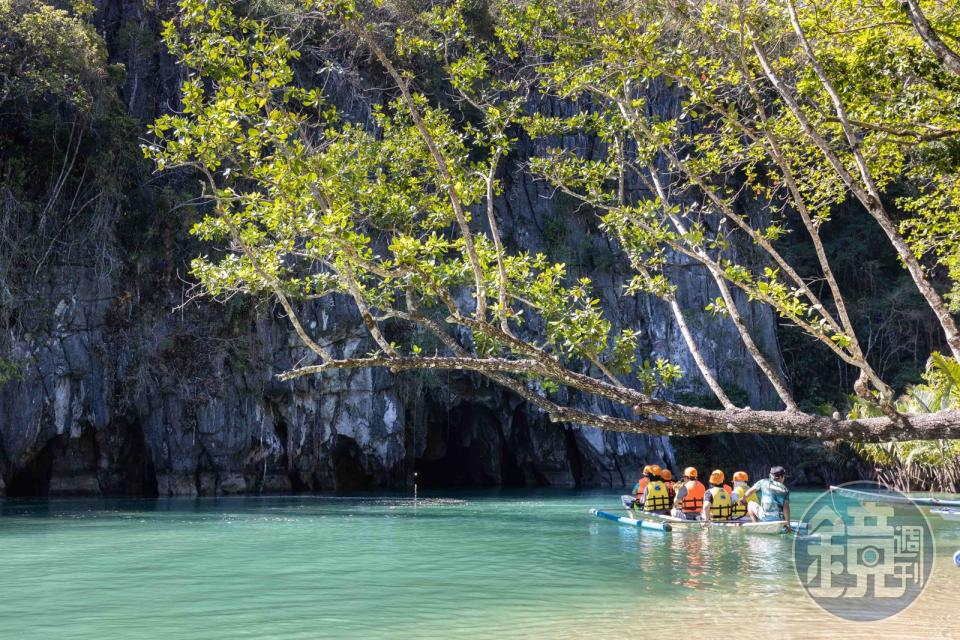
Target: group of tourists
687, 498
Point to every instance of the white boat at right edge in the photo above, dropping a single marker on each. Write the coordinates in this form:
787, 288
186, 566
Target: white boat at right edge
894, 497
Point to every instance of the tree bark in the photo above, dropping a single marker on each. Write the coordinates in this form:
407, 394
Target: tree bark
667, 418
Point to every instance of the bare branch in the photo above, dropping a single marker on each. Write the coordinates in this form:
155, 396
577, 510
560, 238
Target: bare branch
869, 196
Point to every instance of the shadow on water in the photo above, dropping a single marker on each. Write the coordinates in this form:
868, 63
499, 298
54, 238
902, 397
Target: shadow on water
305, 505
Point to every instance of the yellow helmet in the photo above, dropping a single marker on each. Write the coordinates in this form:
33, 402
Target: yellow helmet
646, 469
690, 472
655, 469
666, 475
741, 476
716, 477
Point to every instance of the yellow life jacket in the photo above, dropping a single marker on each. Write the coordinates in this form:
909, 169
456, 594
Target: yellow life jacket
658, 497
740, 509
720, 504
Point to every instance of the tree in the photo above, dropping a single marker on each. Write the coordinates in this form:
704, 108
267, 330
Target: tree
313, 205
47, 52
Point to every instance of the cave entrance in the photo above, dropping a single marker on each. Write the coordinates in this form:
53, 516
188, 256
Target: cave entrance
33, 479
349, 470
464, 446
113, 462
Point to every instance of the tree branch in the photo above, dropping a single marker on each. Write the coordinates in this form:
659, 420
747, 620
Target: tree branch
438, 158
677, 419
867, 194
947, 56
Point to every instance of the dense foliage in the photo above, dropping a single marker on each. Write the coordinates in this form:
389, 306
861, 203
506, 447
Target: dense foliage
65, 144
786, 113
924, 464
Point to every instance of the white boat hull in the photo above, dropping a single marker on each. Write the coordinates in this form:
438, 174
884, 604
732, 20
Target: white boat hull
746, 526
947, 514
894, 497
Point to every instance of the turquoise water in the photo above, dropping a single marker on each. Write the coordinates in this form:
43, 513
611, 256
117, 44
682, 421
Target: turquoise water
503, 565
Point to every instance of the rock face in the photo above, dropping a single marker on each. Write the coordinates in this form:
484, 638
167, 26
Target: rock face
126, 392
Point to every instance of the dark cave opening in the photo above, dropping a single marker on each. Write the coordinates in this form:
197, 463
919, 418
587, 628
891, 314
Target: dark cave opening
465, 447
134, 470
574, 456
349, 470
33, 479
284, 464
113, 462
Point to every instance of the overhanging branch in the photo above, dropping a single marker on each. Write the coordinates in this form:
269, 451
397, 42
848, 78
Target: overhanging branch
667, 418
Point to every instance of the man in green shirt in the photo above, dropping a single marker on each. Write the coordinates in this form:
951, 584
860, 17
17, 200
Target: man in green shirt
774, 498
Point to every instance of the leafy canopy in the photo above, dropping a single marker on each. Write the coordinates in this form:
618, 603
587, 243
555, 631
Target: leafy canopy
396, 211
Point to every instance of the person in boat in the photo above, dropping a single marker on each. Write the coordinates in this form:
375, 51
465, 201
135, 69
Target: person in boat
717, 504
741, 482
774, 503
655, 497
642, 482
688, 502
632, 500
667, 476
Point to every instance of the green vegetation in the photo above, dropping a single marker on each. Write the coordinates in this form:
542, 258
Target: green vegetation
794, 111
922, 464
9, 370
66, 144
48, 52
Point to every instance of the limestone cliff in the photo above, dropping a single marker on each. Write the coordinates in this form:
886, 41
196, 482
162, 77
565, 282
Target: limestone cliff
125, 391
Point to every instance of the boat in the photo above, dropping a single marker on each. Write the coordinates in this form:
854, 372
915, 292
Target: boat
894, 497
771, 527
947, 514
657, 522
632, 522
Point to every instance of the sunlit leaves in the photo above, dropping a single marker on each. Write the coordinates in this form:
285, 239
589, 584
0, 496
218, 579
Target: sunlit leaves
307, 202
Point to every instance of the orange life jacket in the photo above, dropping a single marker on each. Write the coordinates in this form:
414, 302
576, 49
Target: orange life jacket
693, 501
641, 485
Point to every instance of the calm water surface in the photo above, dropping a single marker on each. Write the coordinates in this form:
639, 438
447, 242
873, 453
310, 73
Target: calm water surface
503, 565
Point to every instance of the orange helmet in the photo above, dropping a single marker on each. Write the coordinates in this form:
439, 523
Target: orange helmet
741, 476
716, 477
690, 472
646, 469
655, 469
666, 475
